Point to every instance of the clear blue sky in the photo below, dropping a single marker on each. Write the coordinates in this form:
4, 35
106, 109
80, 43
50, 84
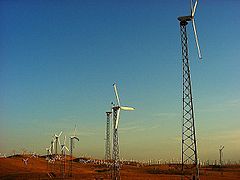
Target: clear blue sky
59, 59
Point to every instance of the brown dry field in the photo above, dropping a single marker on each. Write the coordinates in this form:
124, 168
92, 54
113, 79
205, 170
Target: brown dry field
38, 168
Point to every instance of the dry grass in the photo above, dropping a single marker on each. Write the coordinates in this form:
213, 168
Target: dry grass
38, 168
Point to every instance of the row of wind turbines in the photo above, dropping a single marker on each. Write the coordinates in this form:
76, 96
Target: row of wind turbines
56, 141
53, 155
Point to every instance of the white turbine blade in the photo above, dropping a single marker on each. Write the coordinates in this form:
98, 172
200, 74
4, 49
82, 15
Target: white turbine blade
116, 94
196, 38
62, 148
126, 108
117, 120
59, 142
66, 148
64, 140
194, 8
60, 134
191, 5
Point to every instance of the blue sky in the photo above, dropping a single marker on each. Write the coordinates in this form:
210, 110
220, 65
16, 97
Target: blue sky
59, 60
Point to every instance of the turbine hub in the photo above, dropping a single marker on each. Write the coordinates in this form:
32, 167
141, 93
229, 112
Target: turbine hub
185, 18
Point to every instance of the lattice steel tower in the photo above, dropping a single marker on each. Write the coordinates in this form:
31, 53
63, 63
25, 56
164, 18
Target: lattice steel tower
189, 145
107, 139
115, 155
116, 116
72, 146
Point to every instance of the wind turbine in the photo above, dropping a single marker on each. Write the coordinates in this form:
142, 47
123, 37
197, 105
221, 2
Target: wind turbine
72, 138
63, 150
25, 161
189, 145
64, 147
57, 141
220, 154
116, 116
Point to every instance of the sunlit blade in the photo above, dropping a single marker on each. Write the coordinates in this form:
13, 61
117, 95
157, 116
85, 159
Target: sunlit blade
196, 38
117, 120
64, 140
191, 6
62, 148
125, 108
59, 142
116, 94
194, 8
66, 148
60, 134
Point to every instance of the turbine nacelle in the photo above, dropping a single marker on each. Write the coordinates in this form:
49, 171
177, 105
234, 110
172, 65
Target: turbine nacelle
191, 18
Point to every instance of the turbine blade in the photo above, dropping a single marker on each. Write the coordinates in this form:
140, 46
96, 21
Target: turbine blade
117, 120
194, 8
75, 137
66, 148
64, 140
126, 108
196, 38
116, 94
191, 6
59, 142
60, 134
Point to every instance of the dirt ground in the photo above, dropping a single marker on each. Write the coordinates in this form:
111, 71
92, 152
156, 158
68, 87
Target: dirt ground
39, 168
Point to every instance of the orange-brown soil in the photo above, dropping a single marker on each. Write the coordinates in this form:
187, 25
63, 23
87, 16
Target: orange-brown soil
39, 168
